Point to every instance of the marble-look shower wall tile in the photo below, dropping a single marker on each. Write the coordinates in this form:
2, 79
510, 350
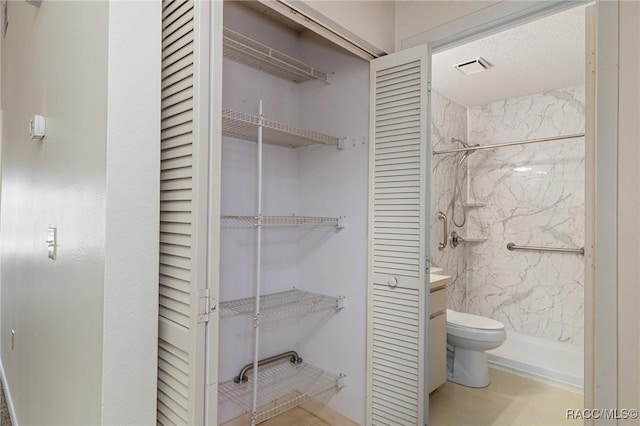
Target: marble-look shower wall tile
449, 120
534, 195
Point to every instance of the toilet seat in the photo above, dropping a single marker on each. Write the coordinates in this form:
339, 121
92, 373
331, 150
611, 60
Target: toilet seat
474, 327
461, 319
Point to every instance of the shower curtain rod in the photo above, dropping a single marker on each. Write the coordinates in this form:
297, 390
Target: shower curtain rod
500, 145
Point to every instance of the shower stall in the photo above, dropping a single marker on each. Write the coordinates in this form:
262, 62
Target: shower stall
510, 177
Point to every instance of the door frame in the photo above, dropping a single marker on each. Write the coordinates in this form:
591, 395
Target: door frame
212, 31
601, 210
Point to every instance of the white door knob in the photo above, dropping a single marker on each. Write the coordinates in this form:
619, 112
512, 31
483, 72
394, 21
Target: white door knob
392, 282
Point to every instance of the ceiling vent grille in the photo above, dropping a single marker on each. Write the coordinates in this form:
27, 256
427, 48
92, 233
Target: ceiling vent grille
473, 66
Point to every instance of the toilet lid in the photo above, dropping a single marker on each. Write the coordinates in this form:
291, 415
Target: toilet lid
461, 319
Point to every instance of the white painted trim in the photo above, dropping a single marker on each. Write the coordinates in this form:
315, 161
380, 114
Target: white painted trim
200, 210
484, 22
629, 205
590, 207
606, 251
7, 396
214, 62
306, 16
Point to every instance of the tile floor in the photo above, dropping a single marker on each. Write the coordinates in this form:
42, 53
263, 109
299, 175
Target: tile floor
509, 400
5, 420
295, 417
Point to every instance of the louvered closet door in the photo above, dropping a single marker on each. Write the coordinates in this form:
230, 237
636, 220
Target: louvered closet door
182, 279
398, 194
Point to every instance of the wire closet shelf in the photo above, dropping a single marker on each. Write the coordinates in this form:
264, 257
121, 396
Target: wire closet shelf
282, 386
283, 221
254, 54
245, 126
282, 306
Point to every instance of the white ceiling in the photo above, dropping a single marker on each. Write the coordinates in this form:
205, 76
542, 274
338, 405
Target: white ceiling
539, 56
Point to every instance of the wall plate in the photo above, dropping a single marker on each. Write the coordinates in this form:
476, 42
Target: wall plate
52, 242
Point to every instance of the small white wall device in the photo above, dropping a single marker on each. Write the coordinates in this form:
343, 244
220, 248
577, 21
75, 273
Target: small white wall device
37, 126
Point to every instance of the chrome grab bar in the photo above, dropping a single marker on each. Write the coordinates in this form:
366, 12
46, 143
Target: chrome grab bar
443, 244
512, 246
292, 355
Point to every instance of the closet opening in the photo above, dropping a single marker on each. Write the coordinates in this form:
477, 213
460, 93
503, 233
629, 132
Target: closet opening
293, 217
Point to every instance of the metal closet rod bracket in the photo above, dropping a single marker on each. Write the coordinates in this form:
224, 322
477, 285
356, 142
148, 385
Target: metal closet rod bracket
292, 355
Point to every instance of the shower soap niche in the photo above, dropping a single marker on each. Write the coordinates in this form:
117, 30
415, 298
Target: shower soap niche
476, 239
457, 239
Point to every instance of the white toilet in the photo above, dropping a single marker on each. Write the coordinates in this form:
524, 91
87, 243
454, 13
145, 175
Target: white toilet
468, 337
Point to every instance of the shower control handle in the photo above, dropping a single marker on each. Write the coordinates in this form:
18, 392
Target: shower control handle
443, 244
456, 239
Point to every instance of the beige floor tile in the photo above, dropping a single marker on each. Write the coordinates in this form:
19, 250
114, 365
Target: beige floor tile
509, 400
295, 417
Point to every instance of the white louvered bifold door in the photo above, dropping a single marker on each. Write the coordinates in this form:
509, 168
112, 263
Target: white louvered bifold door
182, 280
398, 231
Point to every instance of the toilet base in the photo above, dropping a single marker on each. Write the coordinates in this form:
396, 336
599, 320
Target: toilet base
470, 368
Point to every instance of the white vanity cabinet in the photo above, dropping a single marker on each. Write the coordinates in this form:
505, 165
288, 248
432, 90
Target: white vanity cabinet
438, 330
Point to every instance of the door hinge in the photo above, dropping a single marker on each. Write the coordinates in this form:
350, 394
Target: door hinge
428, 87
206, 305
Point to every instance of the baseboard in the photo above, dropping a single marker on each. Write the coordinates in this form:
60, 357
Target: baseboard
7, 396
535, 373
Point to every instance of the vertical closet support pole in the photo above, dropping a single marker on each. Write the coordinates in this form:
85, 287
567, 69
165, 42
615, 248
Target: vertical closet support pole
256, 354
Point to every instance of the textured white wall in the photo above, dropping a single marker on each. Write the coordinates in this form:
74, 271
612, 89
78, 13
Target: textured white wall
85, 323
130, 337
54, 64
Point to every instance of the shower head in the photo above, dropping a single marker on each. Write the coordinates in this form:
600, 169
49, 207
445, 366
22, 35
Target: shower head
465, 145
